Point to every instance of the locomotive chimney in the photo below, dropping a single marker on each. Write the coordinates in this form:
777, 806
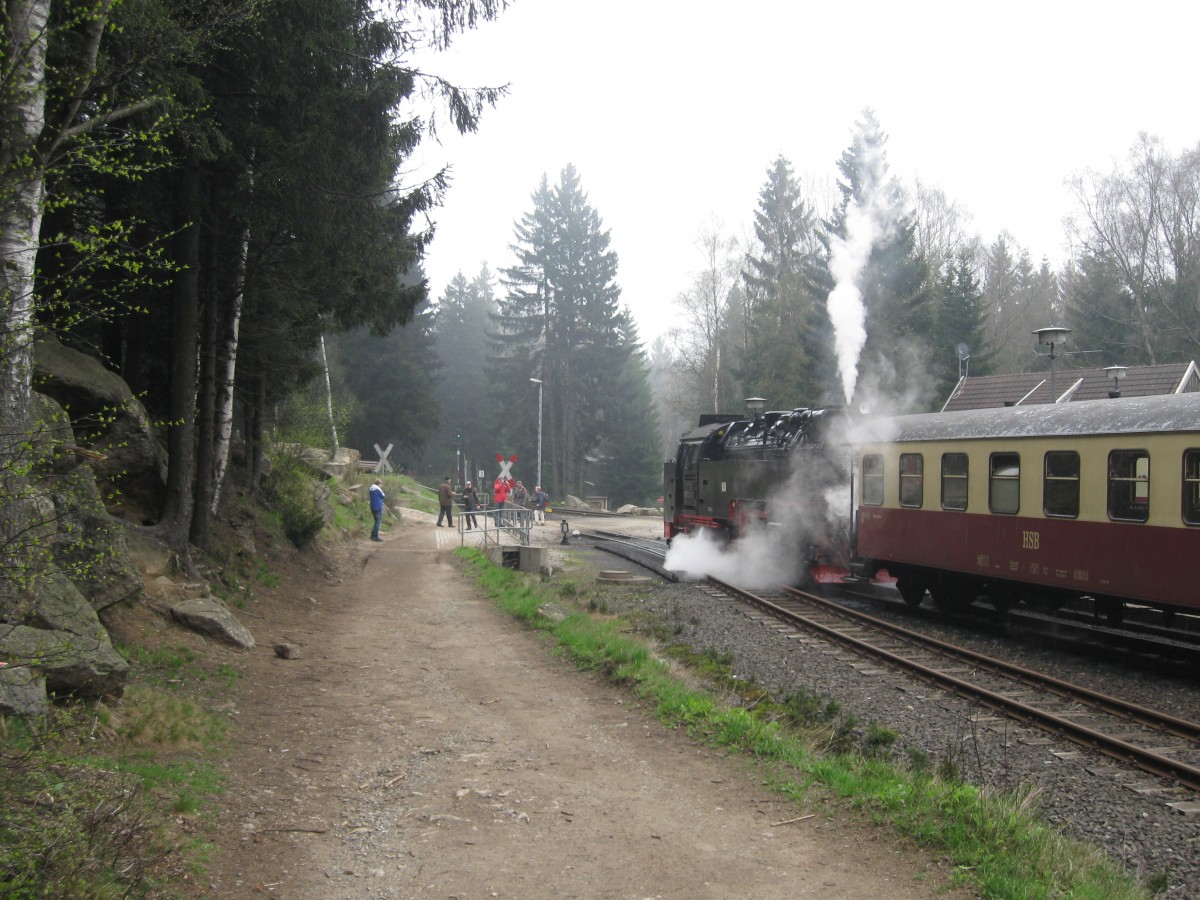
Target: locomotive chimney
1116, 373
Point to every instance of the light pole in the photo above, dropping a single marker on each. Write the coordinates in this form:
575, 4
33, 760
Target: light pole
538, 382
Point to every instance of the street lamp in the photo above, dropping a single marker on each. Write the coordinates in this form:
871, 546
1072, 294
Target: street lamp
1052, 336
538, 382
755, 405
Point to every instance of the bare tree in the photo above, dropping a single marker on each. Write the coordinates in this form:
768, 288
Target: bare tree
941, 228
1143, 220
705, 308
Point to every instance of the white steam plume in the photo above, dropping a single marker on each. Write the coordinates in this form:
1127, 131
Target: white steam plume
865, 224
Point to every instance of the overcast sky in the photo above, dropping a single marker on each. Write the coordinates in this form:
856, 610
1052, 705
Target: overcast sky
673, 110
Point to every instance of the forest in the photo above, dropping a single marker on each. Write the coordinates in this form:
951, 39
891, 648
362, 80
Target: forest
214, 199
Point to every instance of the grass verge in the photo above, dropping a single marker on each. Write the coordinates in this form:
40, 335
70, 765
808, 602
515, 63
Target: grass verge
996, 842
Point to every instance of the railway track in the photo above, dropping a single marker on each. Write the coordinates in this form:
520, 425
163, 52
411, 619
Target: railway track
1171, 649
1157, 743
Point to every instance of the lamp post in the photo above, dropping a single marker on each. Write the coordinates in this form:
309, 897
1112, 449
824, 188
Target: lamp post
538, 382
1052, 336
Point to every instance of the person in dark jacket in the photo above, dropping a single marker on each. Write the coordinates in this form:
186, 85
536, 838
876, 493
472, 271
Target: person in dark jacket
470, 503
446, 499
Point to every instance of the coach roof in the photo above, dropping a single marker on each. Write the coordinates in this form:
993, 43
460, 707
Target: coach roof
1131, 415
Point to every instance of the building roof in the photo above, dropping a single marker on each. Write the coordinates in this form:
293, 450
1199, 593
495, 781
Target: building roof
1030, 388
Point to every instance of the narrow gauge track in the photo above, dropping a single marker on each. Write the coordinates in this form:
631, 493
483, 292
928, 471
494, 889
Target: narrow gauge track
1156, 646
647, 553
1155, 742
1171, 649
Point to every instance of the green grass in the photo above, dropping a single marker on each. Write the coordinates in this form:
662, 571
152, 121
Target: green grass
93, 792
998, 845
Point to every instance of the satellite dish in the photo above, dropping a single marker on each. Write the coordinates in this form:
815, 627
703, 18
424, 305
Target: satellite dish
963, 351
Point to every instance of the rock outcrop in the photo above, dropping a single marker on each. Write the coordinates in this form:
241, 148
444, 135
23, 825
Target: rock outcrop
96, 457
111, 423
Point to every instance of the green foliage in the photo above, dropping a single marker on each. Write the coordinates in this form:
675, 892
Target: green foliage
292, 492
91, 826
393, 380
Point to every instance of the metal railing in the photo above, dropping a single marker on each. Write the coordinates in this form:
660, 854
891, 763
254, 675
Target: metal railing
493, 524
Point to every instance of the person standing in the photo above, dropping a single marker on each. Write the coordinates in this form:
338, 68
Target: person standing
540, 499
470, 502
500, 498
520, 495
377, 497
446, 499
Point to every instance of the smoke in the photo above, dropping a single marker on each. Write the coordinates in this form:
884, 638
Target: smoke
758, 560
867, 222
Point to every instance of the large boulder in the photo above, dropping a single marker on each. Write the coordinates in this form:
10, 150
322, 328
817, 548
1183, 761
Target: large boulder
109, 421
209, 616
82, 666
60, 636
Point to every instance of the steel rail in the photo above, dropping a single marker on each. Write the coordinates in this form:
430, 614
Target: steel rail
1115, 748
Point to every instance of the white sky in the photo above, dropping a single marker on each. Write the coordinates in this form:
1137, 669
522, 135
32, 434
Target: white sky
673, 110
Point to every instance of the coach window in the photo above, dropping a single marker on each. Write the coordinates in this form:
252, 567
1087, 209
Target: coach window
912, 479
1129, 485
1060, 485
1191, 487
872, 480
1004, 485
954, 481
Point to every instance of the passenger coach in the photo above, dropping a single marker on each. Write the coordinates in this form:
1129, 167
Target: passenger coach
1042, 504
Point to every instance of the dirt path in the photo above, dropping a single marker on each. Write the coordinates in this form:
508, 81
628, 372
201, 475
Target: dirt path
424, 744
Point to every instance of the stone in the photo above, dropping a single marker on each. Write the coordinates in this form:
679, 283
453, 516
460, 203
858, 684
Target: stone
210, 617
81, 665
22, 692
111, 423
287, 651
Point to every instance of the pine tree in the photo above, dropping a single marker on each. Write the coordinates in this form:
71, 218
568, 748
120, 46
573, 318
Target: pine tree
464, 315
786, 356
958, 320
391, 384
560, 321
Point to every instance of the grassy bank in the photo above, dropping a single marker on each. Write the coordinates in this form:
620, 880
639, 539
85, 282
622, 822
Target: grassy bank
996, 842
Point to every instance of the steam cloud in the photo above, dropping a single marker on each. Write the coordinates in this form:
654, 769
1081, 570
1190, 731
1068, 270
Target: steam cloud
866, 223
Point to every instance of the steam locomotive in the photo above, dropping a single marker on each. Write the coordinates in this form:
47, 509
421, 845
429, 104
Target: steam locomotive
1041, 505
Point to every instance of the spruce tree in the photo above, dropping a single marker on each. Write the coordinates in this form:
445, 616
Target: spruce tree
560, 321
786, 356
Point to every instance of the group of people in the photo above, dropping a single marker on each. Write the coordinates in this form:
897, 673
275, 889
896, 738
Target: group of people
509, 494
506, 494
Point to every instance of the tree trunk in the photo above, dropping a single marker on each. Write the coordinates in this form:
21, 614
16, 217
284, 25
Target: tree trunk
328, 389
228, 373
205, 405
177, 508
21, 210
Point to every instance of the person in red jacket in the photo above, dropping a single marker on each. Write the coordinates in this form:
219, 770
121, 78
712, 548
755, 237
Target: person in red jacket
500, 498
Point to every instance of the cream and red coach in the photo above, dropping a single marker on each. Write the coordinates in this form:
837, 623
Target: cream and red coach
1040, 504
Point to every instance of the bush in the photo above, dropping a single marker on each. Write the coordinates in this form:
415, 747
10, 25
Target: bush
292, 490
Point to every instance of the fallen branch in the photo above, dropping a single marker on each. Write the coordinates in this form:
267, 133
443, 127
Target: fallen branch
790, 821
